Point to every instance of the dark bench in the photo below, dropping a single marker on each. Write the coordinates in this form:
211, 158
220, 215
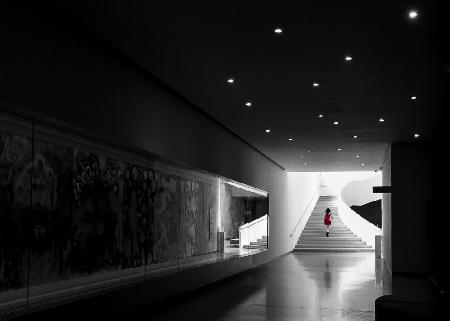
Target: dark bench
411, 308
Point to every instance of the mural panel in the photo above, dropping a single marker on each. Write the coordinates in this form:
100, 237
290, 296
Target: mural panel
79, 215
98, 195
192, 218
167, 212
51, 218
15, 185
137, 216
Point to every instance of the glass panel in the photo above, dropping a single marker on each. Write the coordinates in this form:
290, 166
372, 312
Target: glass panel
198, 221
244, 219
15, 202
88, 216
88, 205
166, 207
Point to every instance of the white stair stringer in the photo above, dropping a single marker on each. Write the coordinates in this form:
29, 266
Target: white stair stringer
341, 239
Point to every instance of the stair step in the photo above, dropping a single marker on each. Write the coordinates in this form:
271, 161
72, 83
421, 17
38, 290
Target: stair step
323, 230
331, 235
340, 250
301, 241
321, 227
331, 238
331, 245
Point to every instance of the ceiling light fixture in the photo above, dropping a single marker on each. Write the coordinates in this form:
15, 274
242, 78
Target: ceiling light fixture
290, 139
357, 156
413, 98
363, 164
339, 149
278, 30
413, 14
267, 130
416, 135
320, 116
336, 123
348, 58
381, 120
230, 81
248, 104
355, 136
315, 84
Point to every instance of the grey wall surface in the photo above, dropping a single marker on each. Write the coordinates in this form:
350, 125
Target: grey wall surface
55, 69
406, 212
387, 210
412, 195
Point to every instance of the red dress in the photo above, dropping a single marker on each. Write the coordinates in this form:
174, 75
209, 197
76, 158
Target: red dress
327, 219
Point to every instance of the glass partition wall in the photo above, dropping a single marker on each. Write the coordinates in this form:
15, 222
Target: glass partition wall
80, 215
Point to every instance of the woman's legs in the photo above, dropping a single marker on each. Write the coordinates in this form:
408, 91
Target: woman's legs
328, 230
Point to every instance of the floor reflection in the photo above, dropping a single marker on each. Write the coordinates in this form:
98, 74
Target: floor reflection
327, 275
298, 286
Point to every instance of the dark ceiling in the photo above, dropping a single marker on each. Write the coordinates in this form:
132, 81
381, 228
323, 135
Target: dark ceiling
195, 46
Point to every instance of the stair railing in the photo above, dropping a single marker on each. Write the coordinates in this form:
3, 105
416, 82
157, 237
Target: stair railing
253, 230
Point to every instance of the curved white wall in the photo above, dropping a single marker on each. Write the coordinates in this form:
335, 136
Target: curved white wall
360, 192
355, 188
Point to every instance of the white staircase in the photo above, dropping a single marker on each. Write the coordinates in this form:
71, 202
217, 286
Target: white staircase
259, 244
341, 239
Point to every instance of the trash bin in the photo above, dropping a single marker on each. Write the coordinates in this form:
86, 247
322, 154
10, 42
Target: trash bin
220, 241
378, 246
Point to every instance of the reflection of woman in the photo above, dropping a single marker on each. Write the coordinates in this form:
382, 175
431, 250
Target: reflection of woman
327, 220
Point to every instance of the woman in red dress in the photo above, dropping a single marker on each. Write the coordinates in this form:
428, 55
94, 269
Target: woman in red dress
327, 220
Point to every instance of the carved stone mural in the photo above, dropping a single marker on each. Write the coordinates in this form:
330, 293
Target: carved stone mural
15, 185
76, 211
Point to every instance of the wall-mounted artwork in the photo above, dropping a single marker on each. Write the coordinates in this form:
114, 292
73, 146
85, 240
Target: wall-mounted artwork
74, 212
15, 185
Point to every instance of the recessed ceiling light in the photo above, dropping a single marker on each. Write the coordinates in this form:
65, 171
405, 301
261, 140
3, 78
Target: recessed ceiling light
320, 116
413, 98
305, 163
416, 135
336, 123
290, 139
348, 58
248, 104
339, 149
381, 120
267, 130
315, 84
230, 81
363, 164
413, 14
309, 151
355, 136
278, 30
357, 156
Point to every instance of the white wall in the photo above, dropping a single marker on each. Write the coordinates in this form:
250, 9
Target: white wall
355, 187
360, 192
303, 189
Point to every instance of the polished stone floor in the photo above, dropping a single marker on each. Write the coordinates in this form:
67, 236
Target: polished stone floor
297, 286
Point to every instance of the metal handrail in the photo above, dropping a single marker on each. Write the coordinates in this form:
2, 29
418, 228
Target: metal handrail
247, 225
304, 211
